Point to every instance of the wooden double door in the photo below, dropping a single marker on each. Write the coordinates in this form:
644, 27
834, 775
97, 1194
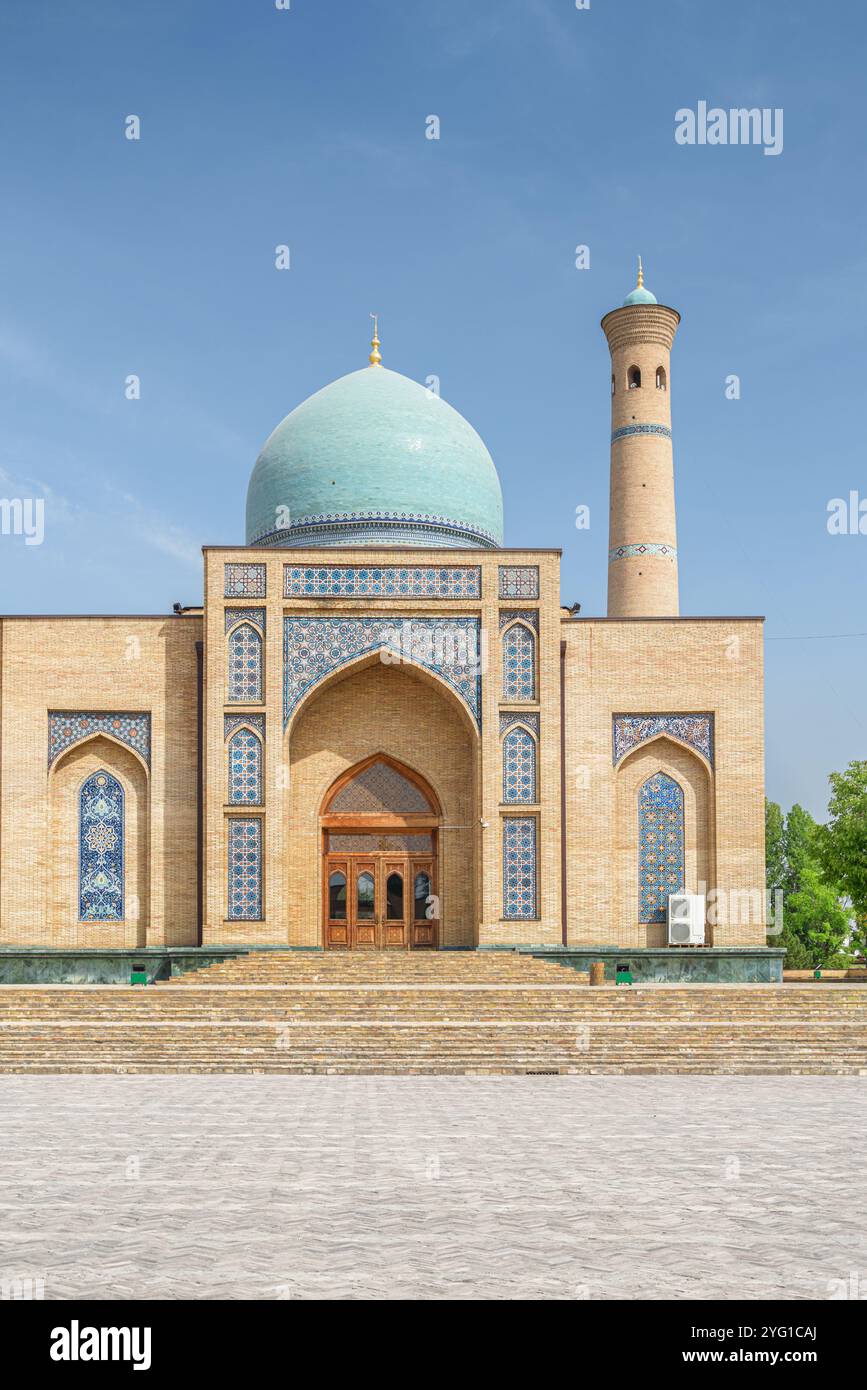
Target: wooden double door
380, 901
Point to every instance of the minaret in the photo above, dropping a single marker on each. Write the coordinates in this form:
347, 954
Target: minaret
642, 534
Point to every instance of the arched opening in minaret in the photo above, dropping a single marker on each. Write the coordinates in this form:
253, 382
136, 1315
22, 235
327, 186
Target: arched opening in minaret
660, 379
633, 377
613, 387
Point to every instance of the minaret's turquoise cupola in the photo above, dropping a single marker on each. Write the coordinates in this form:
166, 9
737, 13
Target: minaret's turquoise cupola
640, 295
374, 459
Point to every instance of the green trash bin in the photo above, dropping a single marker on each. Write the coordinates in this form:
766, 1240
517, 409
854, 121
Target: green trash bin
139, 974
623, 974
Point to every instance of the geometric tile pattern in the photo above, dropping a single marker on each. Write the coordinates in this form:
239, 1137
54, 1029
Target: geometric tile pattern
519, 581
245, 870
314, 647
245, 769
252, 615
626, 430
379, 790
245, 664
519, 767
514, 716
660, 846
627, 552
100, 849
65, 729
378, 840
231, 722
245, 581
519, 664
526, 615
519, 868
695, 730
386, 581
382, 528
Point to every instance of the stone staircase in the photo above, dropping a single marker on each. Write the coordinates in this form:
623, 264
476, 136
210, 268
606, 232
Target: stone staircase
273, 1012
378, 967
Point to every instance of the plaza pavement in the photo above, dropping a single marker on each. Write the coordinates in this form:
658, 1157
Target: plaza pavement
338, 1187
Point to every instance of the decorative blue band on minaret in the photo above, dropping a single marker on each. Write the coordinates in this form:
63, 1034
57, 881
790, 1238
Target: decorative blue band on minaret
626, 552
626, 430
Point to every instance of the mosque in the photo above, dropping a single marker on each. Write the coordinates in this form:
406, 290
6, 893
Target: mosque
381, 731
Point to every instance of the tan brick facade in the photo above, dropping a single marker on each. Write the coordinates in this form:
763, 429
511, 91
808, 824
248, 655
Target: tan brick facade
364, 707
398, 709
689, 665
94, 665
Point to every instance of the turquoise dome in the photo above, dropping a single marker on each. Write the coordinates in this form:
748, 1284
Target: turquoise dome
374, 459
640, 296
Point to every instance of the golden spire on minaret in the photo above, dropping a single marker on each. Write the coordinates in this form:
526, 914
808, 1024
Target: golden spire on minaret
640, 275
375, 358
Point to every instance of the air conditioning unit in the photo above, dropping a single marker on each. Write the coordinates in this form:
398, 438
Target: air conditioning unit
686, 913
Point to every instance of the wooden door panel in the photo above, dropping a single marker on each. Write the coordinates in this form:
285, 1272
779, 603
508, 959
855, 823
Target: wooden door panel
425, 930
365, 909
370, 901
395, 873
336, 901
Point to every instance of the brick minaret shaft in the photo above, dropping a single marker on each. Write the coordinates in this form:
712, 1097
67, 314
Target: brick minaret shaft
642, 535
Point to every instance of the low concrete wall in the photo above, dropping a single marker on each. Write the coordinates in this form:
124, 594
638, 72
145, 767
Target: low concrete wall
34, 965
23, 965
734, 965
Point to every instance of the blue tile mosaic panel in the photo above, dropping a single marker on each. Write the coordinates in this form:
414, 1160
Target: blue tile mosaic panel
68, 727
519, 581
100, 849
251, 615
519, 868
383, 581
244, 581
641, 548
519, 664
245, 769
660, 846
524, 615
626, 430
528, 717
245, 664
449, 647
256, 722
695, 730
381, 528
245, 869
519, 767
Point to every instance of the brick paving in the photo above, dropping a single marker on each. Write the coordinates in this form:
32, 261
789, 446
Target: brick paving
341, 1187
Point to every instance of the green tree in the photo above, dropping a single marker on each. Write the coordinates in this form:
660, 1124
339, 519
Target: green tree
841, 844
775, 850
816, 923
799, 851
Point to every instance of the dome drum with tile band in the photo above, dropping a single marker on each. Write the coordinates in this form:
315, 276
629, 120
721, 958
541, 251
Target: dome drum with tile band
382, 732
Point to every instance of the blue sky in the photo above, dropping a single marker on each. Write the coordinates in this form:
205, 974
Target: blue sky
306, 127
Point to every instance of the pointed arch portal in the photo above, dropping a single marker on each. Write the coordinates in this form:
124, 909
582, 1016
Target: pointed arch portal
380, 822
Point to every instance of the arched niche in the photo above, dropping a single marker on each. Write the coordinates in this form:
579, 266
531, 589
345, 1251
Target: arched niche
695, 779
67, 777
368, 712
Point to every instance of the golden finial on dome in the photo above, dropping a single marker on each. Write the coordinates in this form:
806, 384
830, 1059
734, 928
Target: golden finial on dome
375, 358
640, 274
